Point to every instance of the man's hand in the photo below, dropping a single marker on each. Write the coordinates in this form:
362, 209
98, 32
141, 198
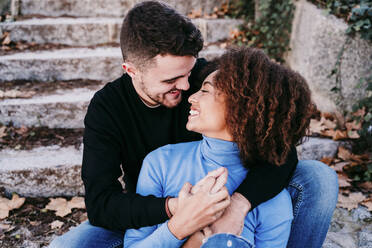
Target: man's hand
232, 220
221, 178
195, 211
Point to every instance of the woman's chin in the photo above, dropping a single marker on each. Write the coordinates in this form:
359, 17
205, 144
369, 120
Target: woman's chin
191, 127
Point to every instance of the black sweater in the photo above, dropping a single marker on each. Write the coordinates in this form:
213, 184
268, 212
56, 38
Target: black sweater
121, 130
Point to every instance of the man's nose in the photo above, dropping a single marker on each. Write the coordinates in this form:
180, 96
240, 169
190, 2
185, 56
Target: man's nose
183, 84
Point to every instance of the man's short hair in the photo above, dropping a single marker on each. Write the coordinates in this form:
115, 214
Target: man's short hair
151, 28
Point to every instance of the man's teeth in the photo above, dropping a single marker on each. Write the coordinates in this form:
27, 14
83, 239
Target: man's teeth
194, 112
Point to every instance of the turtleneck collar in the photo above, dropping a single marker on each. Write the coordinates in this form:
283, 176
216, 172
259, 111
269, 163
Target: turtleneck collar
220, 152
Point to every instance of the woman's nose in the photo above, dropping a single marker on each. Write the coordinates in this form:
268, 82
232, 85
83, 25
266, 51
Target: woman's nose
192, 98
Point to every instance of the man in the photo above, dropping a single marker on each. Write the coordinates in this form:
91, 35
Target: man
147, 108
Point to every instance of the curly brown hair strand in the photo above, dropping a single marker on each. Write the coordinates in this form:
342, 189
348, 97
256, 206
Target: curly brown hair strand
268, 105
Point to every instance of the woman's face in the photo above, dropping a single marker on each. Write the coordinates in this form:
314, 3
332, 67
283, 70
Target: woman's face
207, 111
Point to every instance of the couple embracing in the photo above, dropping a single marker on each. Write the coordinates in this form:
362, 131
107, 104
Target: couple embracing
207, 148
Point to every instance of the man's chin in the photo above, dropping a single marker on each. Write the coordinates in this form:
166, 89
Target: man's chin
171, 103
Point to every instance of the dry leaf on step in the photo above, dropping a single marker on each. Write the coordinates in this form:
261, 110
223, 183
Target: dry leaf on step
2, 131
7, 205
327, 160
63, 207
56, 224
350, 202
343, 180
317, 126
368, 204
339, 166
343, 153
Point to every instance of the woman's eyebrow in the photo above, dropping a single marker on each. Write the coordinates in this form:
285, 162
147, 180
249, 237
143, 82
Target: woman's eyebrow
207, 82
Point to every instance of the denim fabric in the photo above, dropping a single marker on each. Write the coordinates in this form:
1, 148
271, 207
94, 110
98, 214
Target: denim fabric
313, 190
222, 240
88, 236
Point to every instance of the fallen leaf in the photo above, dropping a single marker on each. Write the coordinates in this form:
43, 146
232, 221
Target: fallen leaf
339, 166
339, 135
22, 130
361, 112
7, 205
330, 124
350, 202
317, 126
77, 202
353, 134
56, 224
2, 131
353, 125
366, 185
35, 223
368, 204
6, 39
327, 160
16, 94
343, 180
4, 226
63, 207
343, 153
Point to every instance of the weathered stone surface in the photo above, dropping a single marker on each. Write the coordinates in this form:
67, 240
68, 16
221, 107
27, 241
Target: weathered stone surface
64, 109
96, 31
45, 171
5, 7
317, 148
316, 41
102, 63
106, 8
350, 229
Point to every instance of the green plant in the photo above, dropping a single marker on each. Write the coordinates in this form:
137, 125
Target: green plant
357, 13
271, 30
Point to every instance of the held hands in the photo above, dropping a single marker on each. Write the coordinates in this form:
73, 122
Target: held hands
232, 220
199, 206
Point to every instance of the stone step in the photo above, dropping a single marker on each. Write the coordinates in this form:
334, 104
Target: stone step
113, 8
97, 31
60, 109
101, 63
44, 171
55, 171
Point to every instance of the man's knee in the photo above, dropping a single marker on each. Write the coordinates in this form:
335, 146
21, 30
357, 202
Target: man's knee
318, 178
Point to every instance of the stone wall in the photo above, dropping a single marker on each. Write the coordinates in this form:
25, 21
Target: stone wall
4, 7
317, 38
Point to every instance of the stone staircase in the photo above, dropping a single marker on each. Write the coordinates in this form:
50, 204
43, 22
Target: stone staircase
89, 32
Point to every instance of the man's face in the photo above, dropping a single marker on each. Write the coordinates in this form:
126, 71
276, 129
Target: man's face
163, 82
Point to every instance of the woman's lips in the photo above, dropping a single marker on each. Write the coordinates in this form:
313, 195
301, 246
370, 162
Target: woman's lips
193, 113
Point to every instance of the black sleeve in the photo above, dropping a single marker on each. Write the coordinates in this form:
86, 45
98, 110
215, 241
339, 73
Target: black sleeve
107, 205
266, 180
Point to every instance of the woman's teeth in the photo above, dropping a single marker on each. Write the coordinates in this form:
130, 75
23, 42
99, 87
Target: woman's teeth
194, 112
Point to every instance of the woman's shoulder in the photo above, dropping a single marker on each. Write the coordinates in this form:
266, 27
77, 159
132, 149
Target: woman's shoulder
173, 151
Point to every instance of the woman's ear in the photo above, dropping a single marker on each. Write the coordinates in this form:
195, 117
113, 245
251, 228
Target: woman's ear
129, 68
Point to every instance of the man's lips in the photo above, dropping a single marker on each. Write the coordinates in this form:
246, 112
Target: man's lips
174, 93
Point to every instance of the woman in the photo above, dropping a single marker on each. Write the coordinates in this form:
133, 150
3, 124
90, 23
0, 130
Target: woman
249, 109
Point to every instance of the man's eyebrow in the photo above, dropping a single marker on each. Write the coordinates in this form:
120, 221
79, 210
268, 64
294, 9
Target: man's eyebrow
175, 78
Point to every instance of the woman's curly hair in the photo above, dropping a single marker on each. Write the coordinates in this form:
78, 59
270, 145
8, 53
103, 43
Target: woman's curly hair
268, 106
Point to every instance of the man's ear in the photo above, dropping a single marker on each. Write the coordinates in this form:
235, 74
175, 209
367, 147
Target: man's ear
130, 69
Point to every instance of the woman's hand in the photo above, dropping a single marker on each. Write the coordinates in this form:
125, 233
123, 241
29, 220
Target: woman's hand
232, 220
195, 211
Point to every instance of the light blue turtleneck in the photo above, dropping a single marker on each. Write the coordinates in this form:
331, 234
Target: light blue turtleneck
165, 170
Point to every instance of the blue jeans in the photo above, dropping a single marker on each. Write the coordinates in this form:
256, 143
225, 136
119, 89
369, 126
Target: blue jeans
313, 188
